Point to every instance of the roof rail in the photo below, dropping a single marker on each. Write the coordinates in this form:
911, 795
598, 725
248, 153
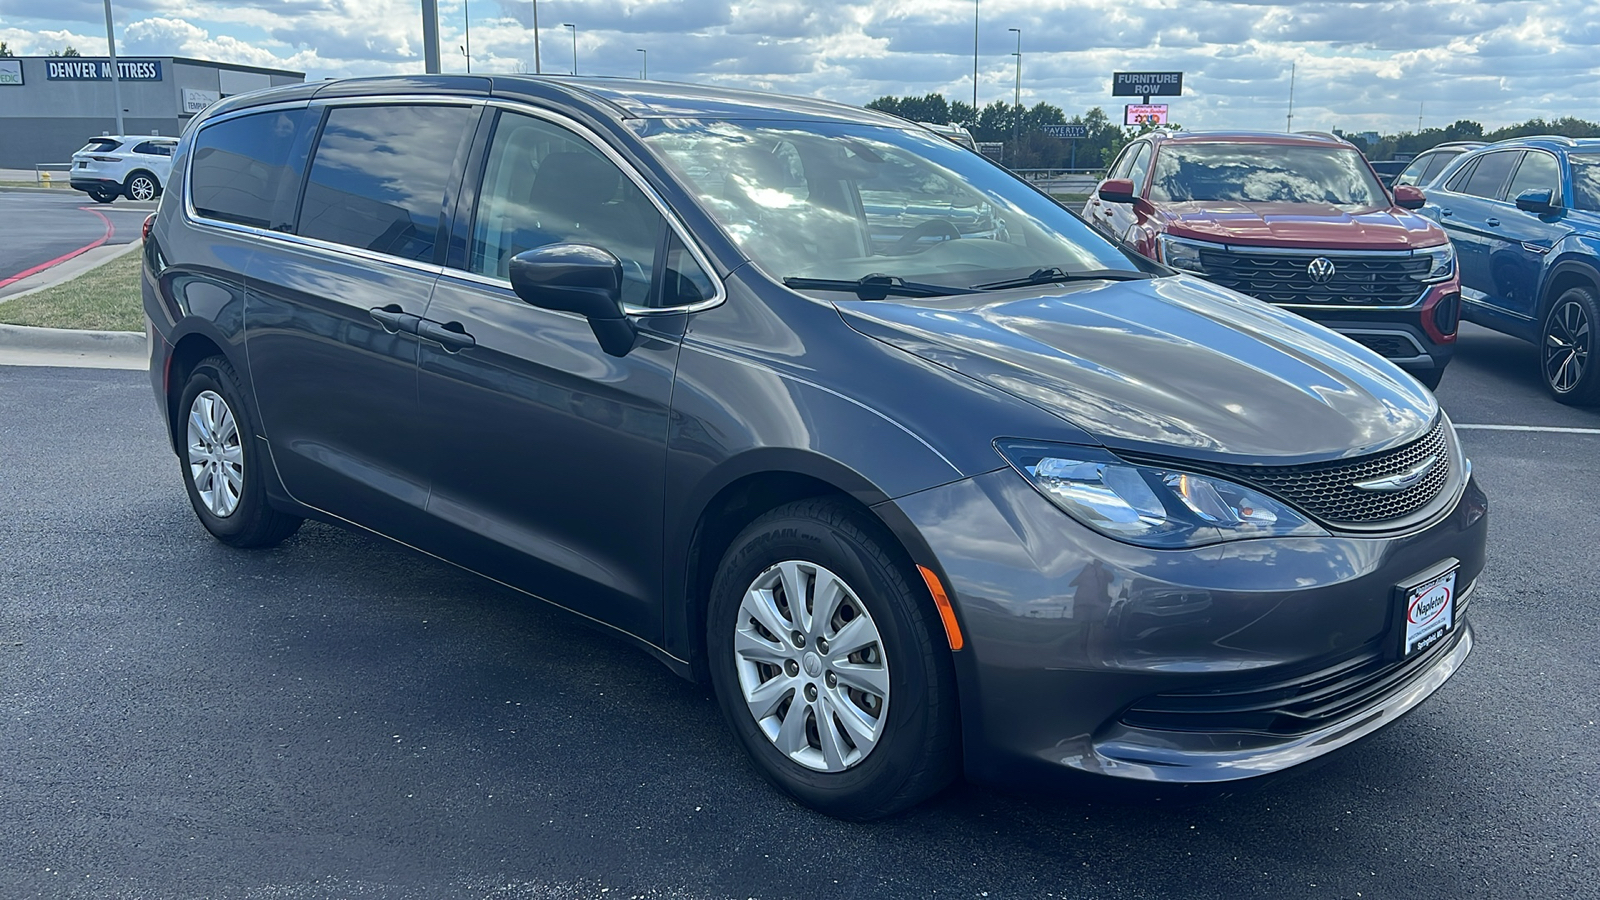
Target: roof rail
1325, 135
1557, 138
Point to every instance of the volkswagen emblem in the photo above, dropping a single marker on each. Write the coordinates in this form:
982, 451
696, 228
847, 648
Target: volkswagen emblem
1321, 270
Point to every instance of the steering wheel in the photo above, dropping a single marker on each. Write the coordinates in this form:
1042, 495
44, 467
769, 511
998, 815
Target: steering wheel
925, 228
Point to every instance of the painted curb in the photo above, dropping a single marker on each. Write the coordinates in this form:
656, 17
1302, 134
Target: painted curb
70, 269
67, 340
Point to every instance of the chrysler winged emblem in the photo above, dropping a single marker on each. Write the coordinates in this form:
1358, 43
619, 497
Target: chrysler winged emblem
1321, 270
1400, 480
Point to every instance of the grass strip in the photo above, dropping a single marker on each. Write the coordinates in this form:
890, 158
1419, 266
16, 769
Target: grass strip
105, 298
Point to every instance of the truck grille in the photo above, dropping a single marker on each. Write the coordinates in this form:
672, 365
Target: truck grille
1328, 490
1375, 280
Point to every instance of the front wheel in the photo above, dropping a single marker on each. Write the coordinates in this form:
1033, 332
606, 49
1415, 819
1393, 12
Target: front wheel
1566, 354
828, 665
102, 196
221, 472
141, 186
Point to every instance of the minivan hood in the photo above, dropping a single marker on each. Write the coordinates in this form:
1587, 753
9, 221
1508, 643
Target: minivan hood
1171, 366
1311, 225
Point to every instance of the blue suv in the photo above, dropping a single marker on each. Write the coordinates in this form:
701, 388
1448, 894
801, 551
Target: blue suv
1524, 216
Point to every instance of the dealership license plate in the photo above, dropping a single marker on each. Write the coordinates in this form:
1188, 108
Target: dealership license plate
1429, 612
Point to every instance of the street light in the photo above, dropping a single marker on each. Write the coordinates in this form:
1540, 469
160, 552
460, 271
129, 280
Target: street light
466, 23
644, 65
538, 68
1016, 128
116, 77
574, 29
974, 62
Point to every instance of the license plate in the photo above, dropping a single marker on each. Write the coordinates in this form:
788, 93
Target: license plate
1429, 612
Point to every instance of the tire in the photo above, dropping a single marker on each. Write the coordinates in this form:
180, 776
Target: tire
903, 744
141, 186
220, 469
1567, 341
102, 196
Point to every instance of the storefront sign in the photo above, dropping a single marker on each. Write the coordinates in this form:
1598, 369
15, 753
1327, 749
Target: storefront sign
1146, 84
1145, 114
75, 69
195, 101
10, 71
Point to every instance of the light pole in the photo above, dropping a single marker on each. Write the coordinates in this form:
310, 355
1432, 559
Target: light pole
116, 77
1289, 126
466, 23
574, 29
430, 37
974, 62
644, 65
1016, 128
538, 69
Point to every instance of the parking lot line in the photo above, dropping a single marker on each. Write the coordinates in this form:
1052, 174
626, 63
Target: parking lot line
1555, 429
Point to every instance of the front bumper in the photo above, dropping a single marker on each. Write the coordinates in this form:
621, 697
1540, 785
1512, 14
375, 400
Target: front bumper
1072, 638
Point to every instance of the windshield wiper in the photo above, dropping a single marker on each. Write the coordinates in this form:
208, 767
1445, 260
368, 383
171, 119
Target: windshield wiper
1057, 275
876, 287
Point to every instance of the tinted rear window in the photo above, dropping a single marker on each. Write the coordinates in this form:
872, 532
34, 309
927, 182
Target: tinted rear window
1585, 181
379, 176
100, 145
1265, 173
241, 164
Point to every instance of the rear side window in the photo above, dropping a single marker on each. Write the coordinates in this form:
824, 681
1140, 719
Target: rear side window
379, 176
1486, 179
1436, 165
240, 165
153, 148
1585, 181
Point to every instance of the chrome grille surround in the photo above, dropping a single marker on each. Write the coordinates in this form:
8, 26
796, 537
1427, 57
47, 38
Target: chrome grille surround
1376, 279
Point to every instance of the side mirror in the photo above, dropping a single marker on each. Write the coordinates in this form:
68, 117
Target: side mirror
577, 278
1116, 190
1539, 201
1409, 196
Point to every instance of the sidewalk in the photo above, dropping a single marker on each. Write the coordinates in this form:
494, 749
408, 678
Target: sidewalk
24, 346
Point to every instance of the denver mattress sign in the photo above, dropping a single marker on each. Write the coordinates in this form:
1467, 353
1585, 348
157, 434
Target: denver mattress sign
100, 70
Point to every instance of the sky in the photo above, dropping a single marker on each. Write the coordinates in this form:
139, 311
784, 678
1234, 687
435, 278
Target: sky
1356, 66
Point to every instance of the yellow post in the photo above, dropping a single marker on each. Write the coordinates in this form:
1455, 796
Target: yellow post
46, 177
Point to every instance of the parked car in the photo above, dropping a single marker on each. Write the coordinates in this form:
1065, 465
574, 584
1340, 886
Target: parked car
1297, 220
1387, 169
957, 134
1024, 504
1525, 217
123, 166
1426, 166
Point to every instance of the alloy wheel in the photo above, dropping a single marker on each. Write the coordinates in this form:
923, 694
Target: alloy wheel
1568, 340
811, 666
215, 454
142, 188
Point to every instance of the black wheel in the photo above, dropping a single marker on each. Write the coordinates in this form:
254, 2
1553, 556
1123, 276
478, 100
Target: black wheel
101, 196
1566, 353
220, 468
829, 665
141, 186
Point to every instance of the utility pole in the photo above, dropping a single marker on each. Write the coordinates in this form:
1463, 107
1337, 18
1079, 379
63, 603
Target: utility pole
430, 37
974, 62
1419, 115
1290, 125
574, 45
538, 69
644, 65
116, 76
1016, 126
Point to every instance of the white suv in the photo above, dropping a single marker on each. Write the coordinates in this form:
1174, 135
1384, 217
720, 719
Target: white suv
132, 166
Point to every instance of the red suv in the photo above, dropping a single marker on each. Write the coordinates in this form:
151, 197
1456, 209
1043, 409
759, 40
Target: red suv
1297, 220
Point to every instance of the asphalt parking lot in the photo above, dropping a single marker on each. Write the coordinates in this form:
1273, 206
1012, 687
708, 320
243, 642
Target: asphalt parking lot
340, 717
45, 227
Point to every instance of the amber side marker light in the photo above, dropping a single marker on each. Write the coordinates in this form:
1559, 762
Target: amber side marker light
952, 628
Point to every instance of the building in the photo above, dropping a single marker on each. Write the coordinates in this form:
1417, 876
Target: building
49, 106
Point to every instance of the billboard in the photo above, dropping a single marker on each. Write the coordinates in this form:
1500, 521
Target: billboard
1067, 131
10, 71
1145, 114
79, 69
1146, 84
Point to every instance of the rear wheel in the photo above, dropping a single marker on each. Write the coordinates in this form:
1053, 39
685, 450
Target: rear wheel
1566, 353
826, 663
220, 469
141, 186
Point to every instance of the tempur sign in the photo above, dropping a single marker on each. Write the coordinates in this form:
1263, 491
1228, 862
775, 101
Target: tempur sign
100, 70
10, 71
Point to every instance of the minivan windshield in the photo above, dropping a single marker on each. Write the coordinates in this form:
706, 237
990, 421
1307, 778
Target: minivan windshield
1265, 173
841, 201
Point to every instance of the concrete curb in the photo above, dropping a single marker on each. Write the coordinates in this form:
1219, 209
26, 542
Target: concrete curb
66, 271
24, 345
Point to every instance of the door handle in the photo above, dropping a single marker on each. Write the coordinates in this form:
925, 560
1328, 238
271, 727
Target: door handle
394, 320
1492, 222
453, 339
1445, 212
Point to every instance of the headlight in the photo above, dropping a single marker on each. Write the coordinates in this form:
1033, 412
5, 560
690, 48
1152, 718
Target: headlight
1149, 506
1180, 255
1444, 262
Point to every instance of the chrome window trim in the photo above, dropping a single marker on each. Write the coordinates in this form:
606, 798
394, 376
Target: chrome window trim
551, 116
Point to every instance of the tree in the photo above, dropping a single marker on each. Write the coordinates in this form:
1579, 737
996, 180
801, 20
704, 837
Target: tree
69, 51
5, 49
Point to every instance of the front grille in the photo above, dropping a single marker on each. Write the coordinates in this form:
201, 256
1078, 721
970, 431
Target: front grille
1292, 705
1375, 280
1328, 490
1388, 346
